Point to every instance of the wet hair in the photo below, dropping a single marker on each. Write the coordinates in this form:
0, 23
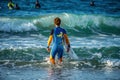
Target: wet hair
57, 21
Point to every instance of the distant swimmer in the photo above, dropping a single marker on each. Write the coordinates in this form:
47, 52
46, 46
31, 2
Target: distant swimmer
11, 5
37, 4
17, 7
92, 3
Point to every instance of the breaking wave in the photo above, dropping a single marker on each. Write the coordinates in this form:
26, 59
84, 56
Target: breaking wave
74, 23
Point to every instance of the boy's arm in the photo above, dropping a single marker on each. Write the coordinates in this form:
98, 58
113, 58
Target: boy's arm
67, 40
50, 40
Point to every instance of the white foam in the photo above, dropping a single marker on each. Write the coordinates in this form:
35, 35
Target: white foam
94, 42
16, 25
112, 21
22, 43
112, 62
99, 55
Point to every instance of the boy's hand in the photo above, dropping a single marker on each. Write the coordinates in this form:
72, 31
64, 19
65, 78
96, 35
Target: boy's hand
48, 49
68, 49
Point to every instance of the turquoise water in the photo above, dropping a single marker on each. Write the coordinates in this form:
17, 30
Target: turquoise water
94, 33
59, 74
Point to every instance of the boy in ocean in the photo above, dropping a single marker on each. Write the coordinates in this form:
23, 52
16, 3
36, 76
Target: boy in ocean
57, 35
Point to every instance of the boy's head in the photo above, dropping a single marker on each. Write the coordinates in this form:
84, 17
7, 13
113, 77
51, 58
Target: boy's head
57, 21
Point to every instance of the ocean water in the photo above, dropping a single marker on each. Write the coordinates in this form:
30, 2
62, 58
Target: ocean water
94, 33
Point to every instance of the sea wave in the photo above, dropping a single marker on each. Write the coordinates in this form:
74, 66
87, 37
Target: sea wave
103, 57
83, 24
36, 53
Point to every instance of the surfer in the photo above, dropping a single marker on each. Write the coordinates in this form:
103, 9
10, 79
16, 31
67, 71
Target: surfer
17, 7
92, 3
57, 35
37, 4
11, 5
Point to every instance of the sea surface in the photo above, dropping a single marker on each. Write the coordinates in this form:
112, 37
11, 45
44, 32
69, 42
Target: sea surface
93, 31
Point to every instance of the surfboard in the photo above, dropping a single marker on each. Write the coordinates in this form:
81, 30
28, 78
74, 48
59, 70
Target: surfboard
71, 52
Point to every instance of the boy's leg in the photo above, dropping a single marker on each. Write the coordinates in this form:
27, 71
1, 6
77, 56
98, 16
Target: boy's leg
52, 55
52, 60
60, 54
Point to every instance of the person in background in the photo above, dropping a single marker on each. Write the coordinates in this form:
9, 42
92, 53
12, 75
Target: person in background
57, 36
17, 7
11, 5
37, 4
92, 3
